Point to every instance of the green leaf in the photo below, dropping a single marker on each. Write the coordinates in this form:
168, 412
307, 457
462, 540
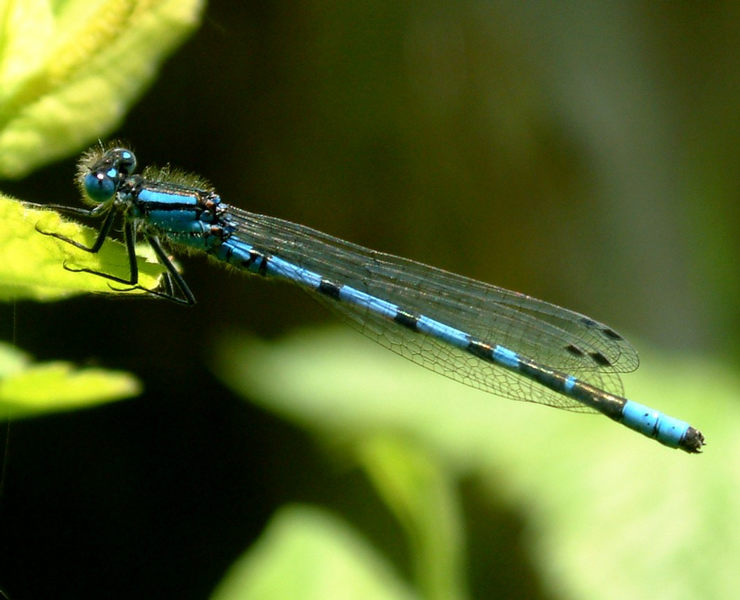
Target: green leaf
28, 389
586, 486
70, 70
309, 554
32, 264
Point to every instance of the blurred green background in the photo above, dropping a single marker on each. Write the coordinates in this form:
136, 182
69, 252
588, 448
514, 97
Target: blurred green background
584, 153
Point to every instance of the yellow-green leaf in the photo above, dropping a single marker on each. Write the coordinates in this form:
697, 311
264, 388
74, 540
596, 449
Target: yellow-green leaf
32, 264
28, 389
70, 70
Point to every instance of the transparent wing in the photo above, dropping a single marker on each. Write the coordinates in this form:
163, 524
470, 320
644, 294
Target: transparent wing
553, 336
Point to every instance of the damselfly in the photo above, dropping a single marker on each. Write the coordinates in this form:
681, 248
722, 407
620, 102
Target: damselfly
487, 337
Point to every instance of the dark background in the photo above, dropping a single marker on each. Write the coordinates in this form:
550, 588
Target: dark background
582, 154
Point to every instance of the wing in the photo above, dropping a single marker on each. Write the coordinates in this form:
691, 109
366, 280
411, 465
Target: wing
553, 336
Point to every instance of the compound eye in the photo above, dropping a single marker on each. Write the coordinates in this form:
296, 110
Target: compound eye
124, 160
101, 186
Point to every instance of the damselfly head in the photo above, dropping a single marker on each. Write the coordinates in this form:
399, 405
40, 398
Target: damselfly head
101, 170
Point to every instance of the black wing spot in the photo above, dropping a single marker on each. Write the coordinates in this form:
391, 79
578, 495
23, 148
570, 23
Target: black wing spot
607, 331
610, 333
600, 359
574, 350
